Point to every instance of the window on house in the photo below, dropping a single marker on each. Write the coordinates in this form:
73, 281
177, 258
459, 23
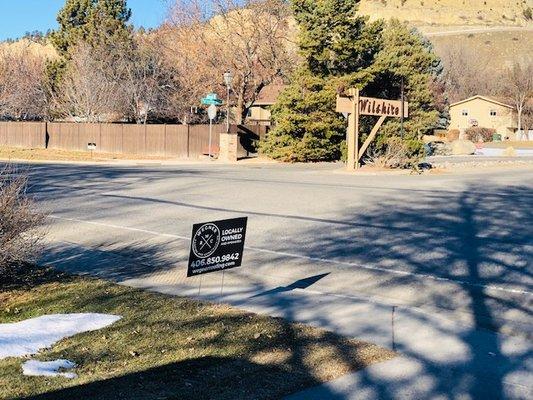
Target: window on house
465, 112
493, 113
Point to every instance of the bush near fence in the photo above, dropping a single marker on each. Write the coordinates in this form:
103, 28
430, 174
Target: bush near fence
179, 141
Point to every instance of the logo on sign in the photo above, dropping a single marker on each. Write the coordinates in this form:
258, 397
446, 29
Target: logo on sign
206, 240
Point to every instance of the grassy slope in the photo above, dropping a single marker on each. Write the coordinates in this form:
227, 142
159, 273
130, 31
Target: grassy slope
449, 12
499, 49
172, 348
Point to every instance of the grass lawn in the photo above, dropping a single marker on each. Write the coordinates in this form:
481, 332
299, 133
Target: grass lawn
169, 347
12, 153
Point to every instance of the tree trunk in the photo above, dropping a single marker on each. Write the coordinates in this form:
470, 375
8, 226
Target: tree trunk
240, 109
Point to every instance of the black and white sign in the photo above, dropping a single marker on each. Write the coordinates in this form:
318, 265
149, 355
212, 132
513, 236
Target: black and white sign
216, 246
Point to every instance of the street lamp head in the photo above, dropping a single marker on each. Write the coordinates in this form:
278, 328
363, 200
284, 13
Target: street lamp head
228, 78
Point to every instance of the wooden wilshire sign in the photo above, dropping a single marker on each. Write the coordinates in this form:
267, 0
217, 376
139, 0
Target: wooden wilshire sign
355, 105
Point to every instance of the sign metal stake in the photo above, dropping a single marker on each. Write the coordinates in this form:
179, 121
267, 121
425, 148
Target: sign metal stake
200, 286
222, 286
210, 134
392, 326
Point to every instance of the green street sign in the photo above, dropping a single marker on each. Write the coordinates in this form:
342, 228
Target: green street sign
211, 99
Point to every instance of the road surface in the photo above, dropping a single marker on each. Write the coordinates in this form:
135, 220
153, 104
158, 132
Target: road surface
430, 265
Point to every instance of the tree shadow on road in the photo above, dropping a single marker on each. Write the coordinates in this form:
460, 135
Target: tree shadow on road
479, 241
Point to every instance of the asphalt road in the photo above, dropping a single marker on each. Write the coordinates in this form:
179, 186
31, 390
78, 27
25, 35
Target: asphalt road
456, 246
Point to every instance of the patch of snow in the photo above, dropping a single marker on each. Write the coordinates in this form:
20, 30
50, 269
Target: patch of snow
48, 368
28, 337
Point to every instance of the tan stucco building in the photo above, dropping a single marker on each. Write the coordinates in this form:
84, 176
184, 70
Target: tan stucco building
486, 113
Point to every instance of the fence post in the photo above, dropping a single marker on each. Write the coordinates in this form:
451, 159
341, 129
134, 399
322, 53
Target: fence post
122, 138
46, 135
80, 143
145, 151
188, 141
165, 152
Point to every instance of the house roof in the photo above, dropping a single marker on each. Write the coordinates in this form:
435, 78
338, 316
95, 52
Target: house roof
269, 94
488, 99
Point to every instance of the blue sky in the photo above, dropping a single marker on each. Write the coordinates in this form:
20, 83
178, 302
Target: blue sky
20, 16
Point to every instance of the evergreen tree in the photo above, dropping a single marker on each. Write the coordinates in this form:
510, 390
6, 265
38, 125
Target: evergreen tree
333, 39
338, 48
97, 22
408, 56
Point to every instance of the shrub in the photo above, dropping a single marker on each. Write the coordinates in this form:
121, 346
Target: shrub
19, 218
477, 134
528, 13
396, 154
453, 134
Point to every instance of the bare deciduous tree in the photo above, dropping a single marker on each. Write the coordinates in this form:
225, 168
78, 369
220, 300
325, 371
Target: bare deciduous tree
23, 90
91, 89
465, 73
148, 81
516, 85
249, 38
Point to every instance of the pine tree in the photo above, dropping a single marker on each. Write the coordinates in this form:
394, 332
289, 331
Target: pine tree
340, 50
101, 24
333, 39
97, 22
408, 56
337, 47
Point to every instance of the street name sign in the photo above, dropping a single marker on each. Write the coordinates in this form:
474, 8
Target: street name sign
353, 105
217, 246
211, 99
374, 106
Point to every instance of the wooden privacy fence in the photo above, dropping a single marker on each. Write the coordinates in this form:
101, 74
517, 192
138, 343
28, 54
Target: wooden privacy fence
23, 134
180, 141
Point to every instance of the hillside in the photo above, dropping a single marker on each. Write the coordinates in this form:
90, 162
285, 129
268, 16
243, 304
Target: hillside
24, 45
450, 12
496, 31
497, 48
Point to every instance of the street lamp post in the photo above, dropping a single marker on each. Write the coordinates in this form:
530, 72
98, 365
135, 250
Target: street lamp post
228, 80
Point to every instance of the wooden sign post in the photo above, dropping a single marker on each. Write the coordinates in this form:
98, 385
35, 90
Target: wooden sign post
354, 105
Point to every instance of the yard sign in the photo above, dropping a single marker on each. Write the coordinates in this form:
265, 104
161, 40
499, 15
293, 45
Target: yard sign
355, 105
217, 246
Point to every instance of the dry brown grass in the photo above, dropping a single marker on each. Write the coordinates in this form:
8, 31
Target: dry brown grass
15, 154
